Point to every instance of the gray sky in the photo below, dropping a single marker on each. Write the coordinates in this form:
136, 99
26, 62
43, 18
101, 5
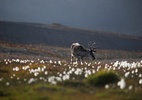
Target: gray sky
124, 16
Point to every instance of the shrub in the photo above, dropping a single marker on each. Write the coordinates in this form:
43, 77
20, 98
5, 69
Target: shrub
102, 78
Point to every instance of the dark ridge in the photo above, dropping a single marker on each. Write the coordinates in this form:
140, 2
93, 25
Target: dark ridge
60, 35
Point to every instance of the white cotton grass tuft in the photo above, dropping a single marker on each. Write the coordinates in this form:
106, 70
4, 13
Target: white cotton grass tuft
25, 67
51, 80
140, 75
31, 80
36, 74
122, 83
50, 61
16, 69
7, 83
140, 81
127, 74
45, 72
59, 62
1, 79
106, 86
66, 77
130, 87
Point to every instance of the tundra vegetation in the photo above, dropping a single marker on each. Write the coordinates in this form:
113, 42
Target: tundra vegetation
44, 73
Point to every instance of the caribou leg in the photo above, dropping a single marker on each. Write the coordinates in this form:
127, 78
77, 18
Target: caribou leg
72, 57
81, 60
77, 59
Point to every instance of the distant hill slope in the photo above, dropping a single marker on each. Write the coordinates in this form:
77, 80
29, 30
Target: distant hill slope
60, 35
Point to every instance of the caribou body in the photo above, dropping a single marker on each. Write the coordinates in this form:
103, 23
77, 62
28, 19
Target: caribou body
79, 52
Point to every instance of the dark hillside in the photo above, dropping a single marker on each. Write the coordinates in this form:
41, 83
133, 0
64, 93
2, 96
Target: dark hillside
60, 35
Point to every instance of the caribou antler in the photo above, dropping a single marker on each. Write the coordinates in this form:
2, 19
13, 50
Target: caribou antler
92, 46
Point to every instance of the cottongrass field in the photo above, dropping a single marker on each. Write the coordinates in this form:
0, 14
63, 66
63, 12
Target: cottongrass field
59, 80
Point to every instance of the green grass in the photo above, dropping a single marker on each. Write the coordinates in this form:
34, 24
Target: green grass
43, 91
73, 88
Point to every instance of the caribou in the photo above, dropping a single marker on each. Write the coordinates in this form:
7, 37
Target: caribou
79, 52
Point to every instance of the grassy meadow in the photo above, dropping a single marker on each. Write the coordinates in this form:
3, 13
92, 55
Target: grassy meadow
37, 72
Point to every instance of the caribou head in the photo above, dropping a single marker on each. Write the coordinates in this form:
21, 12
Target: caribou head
79, 52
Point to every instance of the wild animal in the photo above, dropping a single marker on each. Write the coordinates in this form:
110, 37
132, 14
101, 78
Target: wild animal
79, 52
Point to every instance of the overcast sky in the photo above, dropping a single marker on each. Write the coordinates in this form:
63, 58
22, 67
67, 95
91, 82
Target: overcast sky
124, 16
